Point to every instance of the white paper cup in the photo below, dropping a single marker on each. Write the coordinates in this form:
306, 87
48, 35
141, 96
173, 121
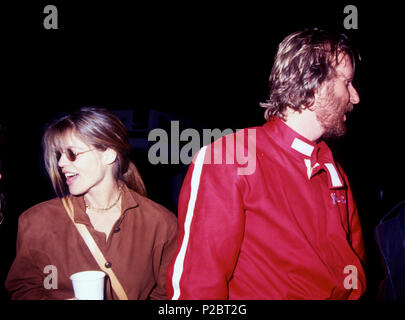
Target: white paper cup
88, 285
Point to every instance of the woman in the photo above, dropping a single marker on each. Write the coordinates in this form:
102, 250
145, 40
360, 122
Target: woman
86, 156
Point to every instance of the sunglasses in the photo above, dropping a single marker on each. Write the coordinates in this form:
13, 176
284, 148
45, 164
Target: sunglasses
70, 154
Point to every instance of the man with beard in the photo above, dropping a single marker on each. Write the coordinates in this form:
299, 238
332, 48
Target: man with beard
289, 229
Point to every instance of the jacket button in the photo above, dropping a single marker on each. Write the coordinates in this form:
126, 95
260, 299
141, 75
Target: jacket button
117, 229
108, 264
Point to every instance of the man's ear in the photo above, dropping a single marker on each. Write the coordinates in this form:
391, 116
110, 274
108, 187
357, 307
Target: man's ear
109, 156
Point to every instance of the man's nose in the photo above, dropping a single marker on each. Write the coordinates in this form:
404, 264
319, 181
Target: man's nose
354, 96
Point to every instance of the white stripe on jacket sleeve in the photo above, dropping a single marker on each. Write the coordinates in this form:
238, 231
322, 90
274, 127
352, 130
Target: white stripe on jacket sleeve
195, 182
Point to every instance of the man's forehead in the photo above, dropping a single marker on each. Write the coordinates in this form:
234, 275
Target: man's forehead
344, 68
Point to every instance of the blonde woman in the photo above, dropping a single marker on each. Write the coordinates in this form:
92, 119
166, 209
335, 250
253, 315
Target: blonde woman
87, 158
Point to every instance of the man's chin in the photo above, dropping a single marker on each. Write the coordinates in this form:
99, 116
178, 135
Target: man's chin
335, 133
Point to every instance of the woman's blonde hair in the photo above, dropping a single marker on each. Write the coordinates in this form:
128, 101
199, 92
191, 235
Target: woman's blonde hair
99, 128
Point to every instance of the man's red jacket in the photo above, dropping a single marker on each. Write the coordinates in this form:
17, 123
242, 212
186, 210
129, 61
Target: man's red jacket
275, 219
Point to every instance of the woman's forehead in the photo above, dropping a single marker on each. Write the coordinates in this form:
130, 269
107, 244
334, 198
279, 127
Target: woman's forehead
70, 139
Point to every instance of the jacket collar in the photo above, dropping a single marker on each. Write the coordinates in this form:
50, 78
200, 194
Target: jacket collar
288, 138
317, 156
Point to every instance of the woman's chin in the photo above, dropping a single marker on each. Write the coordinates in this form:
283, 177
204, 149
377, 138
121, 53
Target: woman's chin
75, 191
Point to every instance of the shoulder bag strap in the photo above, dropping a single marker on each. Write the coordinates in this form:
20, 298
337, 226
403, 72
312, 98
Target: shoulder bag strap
96, 252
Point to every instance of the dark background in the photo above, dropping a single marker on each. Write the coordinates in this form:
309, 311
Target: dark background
202, 63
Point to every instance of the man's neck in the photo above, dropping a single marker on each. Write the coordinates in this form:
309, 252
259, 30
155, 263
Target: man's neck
304, 123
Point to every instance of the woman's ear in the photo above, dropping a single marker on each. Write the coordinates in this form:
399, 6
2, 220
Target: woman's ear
109, 156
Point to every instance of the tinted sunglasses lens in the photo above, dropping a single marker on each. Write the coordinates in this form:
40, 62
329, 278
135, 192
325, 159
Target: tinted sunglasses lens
70, 155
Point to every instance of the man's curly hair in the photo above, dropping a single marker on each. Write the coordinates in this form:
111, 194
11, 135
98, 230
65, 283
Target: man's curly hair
304, 60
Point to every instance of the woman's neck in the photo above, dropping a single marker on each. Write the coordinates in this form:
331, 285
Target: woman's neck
103, 196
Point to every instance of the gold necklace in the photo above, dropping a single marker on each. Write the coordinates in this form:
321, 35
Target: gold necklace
106, 208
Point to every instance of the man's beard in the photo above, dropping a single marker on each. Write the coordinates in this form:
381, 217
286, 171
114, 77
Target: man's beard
331, 116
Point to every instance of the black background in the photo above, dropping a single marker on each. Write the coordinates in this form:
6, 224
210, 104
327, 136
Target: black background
207, 62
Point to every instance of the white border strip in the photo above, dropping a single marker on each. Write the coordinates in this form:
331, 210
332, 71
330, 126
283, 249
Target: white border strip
309, 168
302, 147
179, 263
336, 182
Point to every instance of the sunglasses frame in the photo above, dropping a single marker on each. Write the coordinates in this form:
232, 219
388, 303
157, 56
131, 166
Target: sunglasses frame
70, 154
